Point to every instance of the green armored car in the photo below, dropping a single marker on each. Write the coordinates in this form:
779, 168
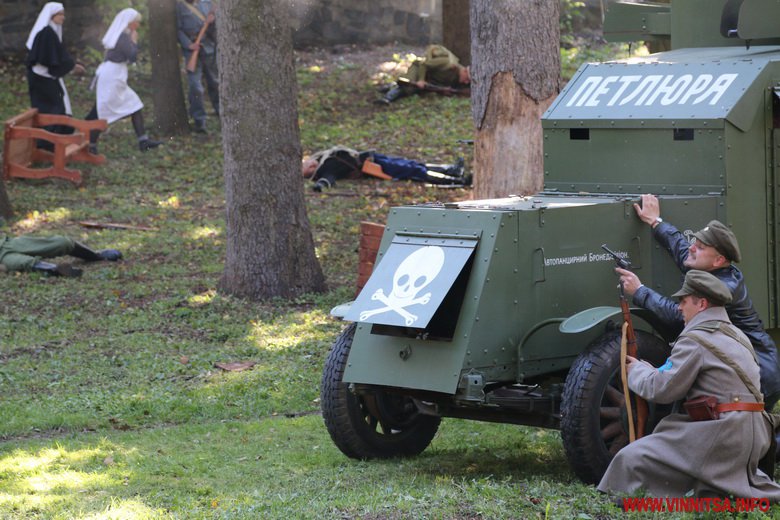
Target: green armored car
506, 310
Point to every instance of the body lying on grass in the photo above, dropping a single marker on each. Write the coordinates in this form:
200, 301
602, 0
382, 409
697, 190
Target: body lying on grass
26, 253
338, 163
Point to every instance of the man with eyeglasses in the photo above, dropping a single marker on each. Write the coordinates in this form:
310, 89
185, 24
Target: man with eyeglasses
714, 250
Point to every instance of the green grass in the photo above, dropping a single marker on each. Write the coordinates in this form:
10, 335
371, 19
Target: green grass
287, 467
110, 403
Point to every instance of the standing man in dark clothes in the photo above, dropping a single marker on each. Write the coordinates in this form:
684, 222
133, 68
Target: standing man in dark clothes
47, 62
714, 249
190, 17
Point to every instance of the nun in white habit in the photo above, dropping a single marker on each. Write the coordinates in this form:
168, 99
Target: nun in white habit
115, 98
47, 62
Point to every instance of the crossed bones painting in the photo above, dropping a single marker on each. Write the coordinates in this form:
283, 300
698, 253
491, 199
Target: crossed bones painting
411, 276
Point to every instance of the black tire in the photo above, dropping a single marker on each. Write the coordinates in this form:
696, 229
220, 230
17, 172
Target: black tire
593, 411
377, 425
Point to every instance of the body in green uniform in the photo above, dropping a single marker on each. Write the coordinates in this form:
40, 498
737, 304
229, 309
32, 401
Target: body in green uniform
26, 253
439, 68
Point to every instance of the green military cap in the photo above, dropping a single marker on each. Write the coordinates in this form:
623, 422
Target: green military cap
704, 285
719, 236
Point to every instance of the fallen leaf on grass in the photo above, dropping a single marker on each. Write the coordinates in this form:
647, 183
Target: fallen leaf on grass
119, 425
108, 461
236, 366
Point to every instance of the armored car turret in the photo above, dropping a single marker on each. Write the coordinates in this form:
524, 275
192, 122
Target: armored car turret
505, 310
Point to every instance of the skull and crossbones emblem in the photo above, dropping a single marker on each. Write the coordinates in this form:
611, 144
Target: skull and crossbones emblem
415, 273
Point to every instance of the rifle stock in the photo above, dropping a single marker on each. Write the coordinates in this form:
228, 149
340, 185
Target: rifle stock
192, 62
439, 89
631, 350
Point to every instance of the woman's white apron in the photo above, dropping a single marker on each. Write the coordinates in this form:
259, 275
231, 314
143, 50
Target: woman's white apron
115, 99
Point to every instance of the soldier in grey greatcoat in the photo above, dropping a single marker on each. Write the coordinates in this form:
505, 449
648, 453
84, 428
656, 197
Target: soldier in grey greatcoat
713, 458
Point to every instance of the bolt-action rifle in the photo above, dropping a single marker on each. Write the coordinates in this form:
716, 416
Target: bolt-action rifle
628, 346
192, 62
430, 87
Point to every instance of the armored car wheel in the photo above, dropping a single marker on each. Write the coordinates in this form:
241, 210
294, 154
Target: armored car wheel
373, 425
593, 411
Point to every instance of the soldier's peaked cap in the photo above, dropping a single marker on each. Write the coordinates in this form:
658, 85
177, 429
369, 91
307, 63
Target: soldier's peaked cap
704, 285
719, 236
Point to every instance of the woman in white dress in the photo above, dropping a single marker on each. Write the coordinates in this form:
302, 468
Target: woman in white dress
115, 99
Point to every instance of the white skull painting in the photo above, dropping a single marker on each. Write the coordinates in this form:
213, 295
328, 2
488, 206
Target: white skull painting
413, 274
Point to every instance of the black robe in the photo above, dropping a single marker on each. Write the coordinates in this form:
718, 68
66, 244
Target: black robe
46, 94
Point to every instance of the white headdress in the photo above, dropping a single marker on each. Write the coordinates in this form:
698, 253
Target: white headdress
120, 23
44, 19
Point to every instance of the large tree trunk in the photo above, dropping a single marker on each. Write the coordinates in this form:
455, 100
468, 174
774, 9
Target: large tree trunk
455, 29
170, 112
515, 76
270, 250
6, 211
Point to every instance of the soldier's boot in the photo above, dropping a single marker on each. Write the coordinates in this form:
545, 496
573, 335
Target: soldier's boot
50, 269
393, 94
146, 144
456, 170
452, 170
90, 255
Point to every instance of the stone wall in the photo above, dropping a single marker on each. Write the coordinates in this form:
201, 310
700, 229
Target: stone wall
328, 22
82, 25
319, 22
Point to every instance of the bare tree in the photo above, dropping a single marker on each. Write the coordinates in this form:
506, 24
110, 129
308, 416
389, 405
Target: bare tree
270, 249
455, 29
515, 76
170, 112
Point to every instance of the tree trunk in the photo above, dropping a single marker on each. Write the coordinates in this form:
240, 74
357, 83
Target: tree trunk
6, 211
270, 250
170, 112
515, 76
455, 29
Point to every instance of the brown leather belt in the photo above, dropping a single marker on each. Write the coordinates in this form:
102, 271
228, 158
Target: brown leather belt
739, 407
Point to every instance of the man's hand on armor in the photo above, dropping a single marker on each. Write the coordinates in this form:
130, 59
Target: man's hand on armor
420, 84
649, 211
630, 363
210, 18
630, 281
193, 46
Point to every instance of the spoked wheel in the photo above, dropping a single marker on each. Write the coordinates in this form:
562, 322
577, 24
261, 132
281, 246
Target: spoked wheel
594, 422
376, 424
